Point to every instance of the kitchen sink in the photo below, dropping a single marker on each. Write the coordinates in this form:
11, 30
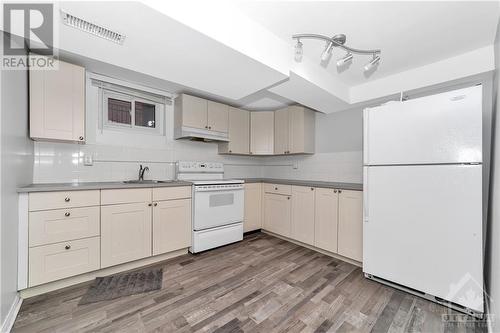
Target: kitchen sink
150, 181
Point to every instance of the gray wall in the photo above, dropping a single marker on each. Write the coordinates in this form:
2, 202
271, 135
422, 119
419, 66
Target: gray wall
493, 245
16, 164
338, 155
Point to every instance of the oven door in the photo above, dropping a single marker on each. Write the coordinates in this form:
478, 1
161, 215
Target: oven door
217, 205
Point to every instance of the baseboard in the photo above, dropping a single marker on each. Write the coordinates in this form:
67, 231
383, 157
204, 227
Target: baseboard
328, 253
12, 315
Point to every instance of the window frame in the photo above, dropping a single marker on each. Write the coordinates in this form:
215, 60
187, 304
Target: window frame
132, 127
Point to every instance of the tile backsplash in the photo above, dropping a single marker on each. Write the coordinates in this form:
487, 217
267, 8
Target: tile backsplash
64, 162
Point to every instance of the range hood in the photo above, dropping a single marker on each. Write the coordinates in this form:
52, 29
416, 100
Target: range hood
193, 133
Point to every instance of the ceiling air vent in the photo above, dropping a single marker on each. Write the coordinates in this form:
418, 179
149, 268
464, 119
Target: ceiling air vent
92, 28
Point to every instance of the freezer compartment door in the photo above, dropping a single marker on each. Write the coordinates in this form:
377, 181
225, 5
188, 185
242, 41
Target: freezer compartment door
423, 229
442, 128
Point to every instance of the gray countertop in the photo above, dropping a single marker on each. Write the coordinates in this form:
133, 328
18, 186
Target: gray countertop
312, 183
118, 185
95, 186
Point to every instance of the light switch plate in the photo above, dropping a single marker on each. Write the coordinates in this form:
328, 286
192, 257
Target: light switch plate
295, 165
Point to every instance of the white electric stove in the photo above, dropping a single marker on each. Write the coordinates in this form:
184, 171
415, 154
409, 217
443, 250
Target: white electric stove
218, 205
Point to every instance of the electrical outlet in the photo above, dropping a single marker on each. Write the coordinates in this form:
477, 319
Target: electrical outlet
295, 165
88, 160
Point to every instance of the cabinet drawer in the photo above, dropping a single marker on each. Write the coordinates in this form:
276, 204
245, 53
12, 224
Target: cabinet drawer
61, 260
169, 193
278, 189
53, 226
63, 199
129, 195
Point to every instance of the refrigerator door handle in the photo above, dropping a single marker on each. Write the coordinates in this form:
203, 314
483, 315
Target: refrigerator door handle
365, 195
365, 135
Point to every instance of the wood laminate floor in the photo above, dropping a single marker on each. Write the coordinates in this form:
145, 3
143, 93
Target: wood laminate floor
262, 284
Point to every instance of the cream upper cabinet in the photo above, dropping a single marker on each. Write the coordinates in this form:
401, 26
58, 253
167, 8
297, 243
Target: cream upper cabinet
262, 133
326, 219
277, 213
57, 103
350, 229
125, 233
191, 111
239, 133
294, 130
217, 117
281, 131
302, 130
171, 225
199, 113
253, 207
303, 214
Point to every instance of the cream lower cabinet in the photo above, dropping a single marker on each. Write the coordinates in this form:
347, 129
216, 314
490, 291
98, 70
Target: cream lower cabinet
253, 207
125, 233
61, 260
326, 219
350, 229
303, 214
171, 225
277, 213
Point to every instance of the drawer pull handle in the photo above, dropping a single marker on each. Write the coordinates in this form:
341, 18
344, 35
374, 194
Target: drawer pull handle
334, 191
312, 188
149, 204
155, 204
67, 199
67, 247
288, 198
67, 214
275, 188
340, 191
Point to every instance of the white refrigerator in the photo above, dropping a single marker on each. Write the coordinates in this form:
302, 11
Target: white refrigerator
422, 228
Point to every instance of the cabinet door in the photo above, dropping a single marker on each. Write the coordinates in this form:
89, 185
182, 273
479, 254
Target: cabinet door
281, 131
262, 133
125, 233
57, 103
239, 131
326, 219
303, 214
171, 225
350, 231
253, 207
194, 111
218, 117
277, 209
301, 135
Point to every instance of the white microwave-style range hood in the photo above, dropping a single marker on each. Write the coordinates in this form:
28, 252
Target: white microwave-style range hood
185, 132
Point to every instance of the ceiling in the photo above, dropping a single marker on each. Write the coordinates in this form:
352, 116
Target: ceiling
410, 34
241, 53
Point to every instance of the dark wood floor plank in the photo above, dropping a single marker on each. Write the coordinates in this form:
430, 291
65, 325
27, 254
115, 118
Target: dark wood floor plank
262, 284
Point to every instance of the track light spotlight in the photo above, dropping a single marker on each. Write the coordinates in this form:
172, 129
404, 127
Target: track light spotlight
342, 61
374, 62
326, 53
299, 51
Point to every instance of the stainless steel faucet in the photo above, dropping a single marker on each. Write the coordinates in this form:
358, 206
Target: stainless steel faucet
141, 172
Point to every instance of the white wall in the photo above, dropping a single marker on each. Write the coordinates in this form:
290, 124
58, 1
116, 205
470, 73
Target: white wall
338, 155
16, 170
493, 246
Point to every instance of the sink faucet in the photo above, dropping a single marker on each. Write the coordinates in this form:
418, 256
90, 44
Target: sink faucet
141, 172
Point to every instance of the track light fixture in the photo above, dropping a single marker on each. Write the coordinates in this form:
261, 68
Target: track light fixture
336, 41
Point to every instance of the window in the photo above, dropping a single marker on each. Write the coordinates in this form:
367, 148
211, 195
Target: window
123, 111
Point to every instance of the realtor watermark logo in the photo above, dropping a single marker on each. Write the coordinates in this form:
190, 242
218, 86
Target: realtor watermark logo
31, 25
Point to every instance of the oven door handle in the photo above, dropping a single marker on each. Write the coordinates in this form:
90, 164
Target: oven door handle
218, 189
